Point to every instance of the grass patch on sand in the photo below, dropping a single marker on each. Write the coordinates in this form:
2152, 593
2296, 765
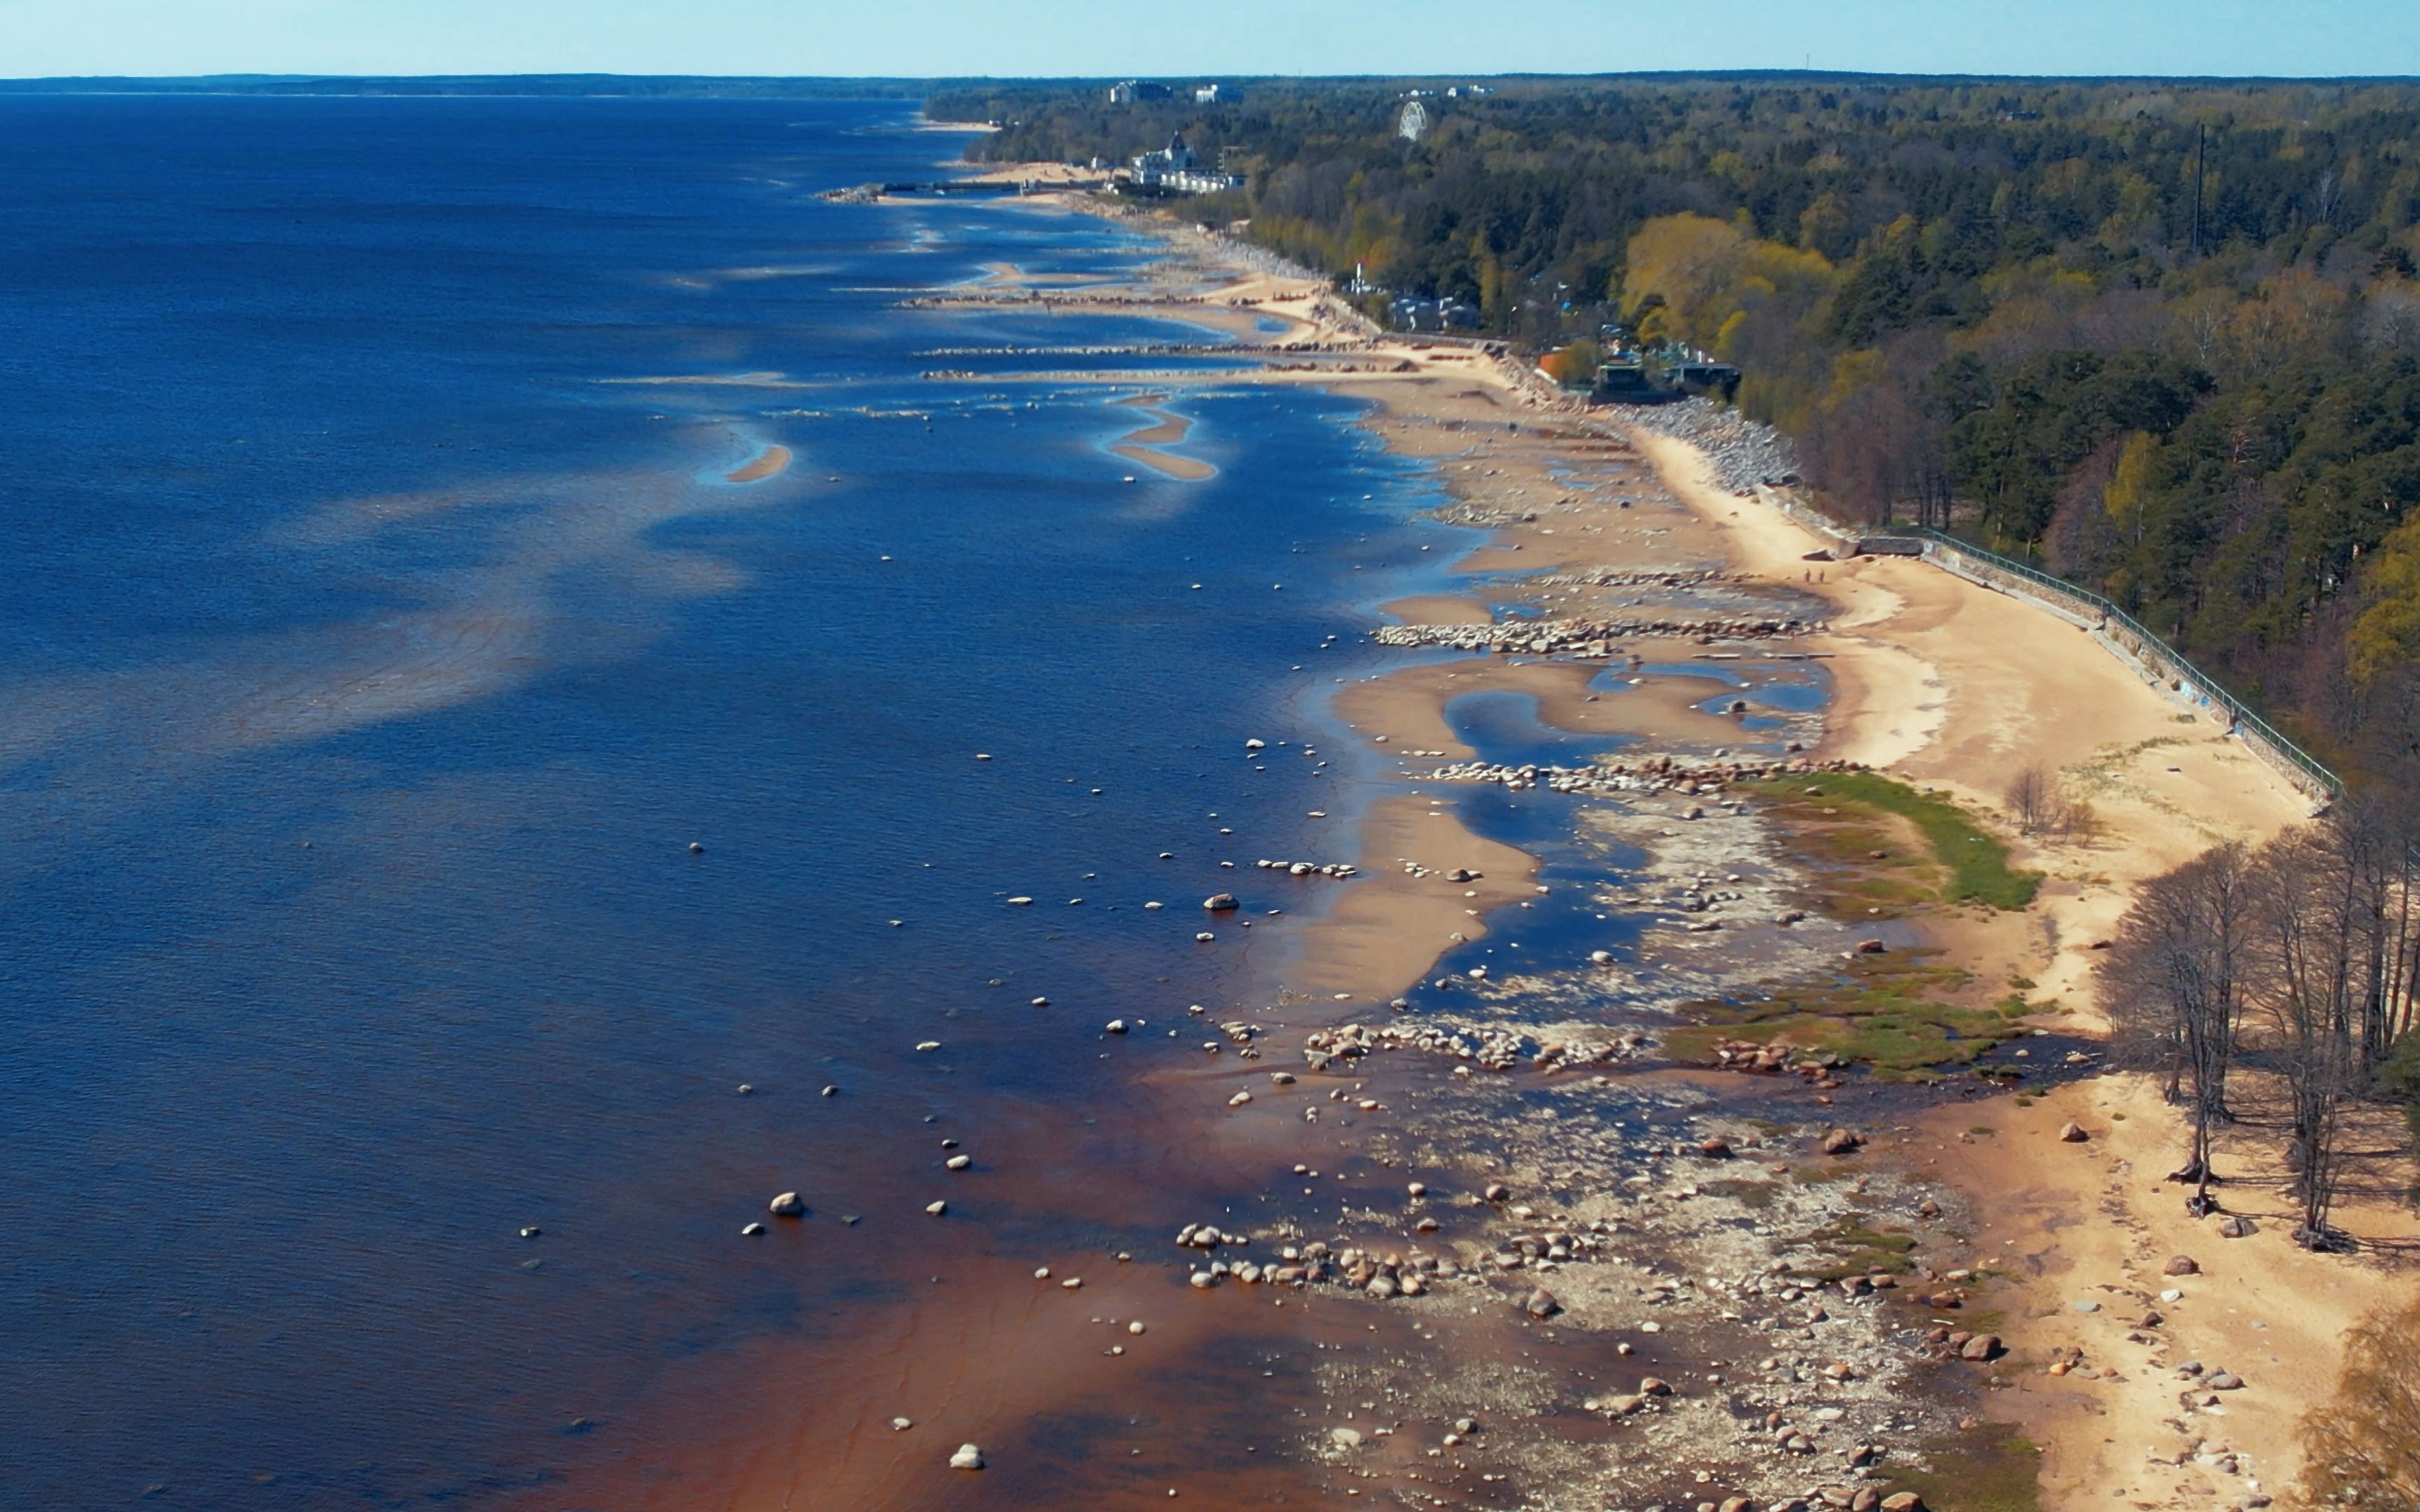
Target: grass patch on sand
1878, 1012
1992, 1469
1754, 1195
1844, 818
1860, 1248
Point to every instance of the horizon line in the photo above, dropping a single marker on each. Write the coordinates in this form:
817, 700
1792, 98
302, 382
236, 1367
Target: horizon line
1844, 75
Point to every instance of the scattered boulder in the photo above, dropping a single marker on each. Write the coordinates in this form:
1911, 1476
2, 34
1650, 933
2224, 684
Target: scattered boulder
789, 1205
1902, 1502
1841, 1141
1980, 1347
1654, 1387
2182, 1265
968, 1458
1219, 902
2235, 1225
2224, 1381
1541, 1303
2072, 1134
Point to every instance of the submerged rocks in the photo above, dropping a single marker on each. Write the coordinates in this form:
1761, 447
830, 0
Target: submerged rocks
1841, 1141
788, 1205
1309, 868
1220, 903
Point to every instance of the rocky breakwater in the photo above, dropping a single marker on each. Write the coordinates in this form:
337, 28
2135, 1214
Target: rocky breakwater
1382, 1273
1489, 1047
1585, 638
1662, 775
1339, 870
1608, 577
1741, 453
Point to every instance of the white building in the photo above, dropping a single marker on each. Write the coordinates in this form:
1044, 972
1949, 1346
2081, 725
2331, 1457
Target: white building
1175, 169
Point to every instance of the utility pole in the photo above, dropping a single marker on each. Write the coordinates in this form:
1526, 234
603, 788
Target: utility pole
2201, 143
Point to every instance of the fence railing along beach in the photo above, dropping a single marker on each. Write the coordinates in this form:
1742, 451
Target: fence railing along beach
2121, 633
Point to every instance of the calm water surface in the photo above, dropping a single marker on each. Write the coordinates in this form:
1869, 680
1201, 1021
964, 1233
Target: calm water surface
379, 633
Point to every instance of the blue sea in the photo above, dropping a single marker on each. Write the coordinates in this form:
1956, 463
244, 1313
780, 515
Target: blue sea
382, 633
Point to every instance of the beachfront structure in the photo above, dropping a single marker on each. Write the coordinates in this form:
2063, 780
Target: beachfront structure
1176, 170
1169, 158
1411, 311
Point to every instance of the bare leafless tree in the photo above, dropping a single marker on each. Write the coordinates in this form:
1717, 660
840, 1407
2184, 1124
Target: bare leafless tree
2307, 946
2031, 796
2175, 987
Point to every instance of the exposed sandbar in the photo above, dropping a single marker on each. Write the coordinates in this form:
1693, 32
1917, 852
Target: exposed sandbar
771, 462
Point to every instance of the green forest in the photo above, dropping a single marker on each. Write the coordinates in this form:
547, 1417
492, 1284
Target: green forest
2162, 338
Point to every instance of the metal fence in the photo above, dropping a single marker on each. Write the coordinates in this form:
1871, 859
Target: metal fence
2147, 648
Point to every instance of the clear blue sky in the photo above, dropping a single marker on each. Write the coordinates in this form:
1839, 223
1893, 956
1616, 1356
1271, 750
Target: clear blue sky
1184, 37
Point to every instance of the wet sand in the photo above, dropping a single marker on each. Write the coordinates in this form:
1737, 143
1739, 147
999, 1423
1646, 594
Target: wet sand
770, 463
1409, 707
1149, 445
1384, 932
